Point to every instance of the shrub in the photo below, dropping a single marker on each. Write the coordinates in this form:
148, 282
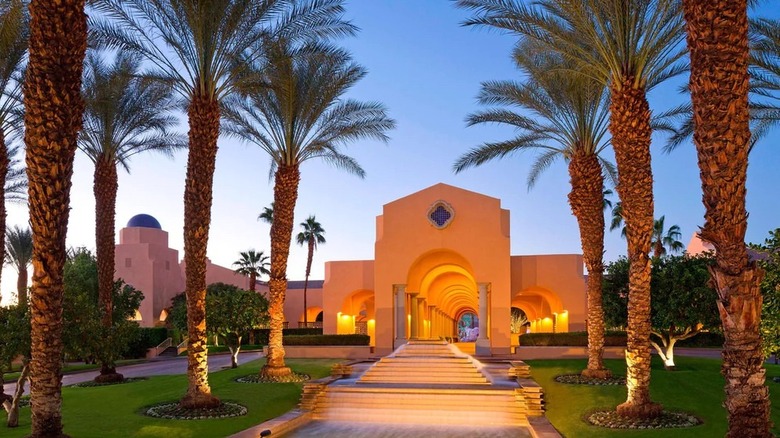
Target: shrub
326, 340
261, 335
570, 339
147, 338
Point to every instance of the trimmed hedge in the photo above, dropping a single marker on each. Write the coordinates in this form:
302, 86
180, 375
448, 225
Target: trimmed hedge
611, 339
326, 340
569, 339
148, 337
261, 335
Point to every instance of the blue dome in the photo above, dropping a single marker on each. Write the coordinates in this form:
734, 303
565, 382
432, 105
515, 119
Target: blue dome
143, 221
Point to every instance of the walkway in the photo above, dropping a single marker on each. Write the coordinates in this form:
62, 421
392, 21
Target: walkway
425, 388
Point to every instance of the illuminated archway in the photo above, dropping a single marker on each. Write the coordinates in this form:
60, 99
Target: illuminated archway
440, 287
358, 314
543, 308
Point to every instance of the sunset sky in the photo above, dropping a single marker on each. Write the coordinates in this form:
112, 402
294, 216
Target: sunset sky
427, 69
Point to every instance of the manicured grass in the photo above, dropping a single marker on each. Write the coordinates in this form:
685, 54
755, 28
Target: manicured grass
696, 387
112, 411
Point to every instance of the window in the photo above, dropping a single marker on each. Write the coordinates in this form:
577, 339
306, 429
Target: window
128, 262
440, 214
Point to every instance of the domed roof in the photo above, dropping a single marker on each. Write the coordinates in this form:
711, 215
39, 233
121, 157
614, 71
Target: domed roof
144, 221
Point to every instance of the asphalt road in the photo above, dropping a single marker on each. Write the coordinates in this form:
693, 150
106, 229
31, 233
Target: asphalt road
156, 367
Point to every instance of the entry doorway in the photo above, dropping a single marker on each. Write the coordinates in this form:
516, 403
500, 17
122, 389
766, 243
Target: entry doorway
468, 327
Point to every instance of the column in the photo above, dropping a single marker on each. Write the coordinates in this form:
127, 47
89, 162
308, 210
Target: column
415, 311
483, 343
400, 315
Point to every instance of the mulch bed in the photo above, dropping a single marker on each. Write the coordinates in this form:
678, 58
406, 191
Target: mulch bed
92, 383
578, 379
667, 420
256, 378
173, 411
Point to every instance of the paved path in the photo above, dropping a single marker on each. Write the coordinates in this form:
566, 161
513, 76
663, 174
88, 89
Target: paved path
155, 367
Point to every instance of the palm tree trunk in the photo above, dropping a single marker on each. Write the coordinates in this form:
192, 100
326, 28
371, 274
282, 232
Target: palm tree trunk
252, 281
21, 285
306, 282
285, 196
630, 128
52, 119
586, 200
5, 162
105, 187
204, 130
718, 44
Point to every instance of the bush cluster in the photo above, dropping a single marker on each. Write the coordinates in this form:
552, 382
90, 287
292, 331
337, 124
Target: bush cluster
611, 339
326, 340
148, 337
261, 335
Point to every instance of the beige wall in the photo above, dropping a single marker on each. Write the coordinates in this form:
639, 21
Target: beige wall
550, 286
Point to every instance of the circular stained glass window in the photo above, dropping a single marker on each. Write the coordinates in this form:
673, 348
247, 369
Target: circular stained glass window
440, 214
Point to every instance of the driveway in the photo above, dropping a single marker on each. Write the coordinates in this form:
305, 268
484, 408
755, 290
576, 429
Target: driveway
155, 367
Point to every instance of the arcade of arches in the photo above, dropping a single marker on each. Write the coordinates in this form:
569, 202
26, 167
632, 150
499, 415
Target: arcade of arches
443, 269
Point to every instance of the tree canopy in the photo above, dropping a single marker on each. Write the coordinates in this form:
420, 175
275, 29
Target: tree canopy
682, 302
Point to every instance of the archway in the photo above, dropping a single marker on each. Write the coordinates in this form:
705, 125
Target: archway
440, 289
543, 309
468, 327
312, 314
358, 315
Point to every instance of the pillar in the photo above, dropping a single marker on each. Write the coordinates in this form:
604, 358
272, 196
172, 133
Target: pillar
483, 341
400, 315
415, 313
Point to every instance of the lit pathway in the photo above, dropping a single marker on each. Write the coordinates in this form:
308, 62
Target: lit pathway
157, 367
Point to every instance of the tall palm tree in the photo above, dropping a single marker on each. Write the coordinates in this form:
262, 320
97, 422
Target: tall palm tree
764, 90
631, 46
202, 49
14, 32
18, 252
299, 114
267, 215
719, 83
124, 115
312, 235
53, 108
567, 119
665, 239
253, 264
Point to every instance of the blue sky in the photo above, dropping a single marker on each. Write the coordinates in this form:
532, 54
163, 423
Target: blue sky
426, 68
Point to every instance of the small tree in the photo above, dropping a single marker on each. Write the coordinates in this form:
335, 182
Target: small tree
83, 334
15, 331
770, 289
231, 312
682, 304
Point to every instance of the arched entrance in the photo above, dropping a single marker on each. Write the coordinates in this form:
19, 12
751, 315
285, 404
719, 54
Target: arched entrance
440, 289
543, 310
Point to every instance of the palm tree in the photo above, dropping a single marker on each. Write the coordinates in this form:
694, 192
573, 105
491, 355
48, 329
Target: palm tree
267, 215
719, 83
764, 90
14, 32
53, 107
631, 46
568, 120
18, 252
312, 235
124, 115
664, 239
252, 264
297, 115
201, 49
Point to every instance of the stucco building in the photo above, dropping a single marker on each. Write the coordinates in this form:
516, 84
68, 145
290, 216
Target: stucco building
441, 257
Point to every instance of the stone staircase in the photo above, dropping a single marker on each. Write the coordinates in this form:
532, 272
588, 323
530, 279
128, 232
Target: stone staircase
429, 362
423, 382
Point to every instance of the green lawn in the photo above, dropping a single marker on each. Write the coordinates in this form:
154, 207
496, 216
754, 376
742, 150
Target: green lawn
696, 387
112, 411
